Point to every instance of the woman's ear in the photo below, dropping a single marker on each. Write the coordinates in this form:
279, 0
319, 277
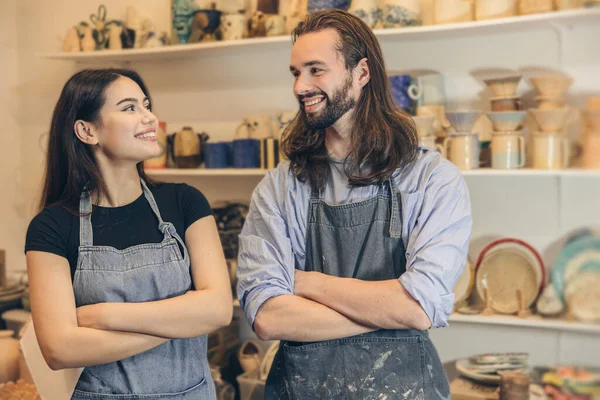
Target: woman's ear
86, 132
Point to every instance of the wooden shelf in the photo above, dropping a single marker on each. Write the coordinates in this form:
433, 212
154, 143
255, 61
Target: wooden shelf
463, 29
532, 322
258, 172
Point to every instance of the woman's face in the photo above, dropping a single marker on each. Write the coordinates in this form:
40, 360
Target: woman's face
127, 128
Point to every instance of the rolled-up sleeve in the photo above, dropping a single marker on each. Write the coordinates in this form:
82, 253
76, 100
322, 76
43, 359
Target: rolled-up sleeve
438, 243
265, 260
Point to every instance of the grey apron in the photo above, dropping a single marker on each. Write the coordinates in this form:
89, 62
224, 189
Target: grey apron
359, 240
177, 369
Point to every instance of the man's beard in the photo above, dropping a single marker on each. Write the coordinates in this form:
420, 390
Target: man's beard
335, 108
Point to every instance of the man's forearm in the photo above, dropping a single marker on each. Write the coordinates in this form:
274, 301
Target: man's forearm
381, 304
290, 317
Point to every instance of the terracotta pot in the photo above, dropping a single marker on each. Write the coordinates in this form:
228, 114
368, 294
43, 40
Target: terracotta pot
9, 361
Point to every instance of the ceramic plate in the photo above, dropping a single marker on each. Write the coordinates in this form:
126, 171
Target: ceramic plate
579, 255
506, 265
583, 296
465, 283
463, 367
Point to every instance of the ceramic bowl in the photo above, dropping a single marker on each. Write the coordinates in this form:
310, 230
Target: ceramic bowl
554, 85
551, 120
506, 265
463, 121
503, 86
506, 104
507, 120
465, 283
547, 103
423, 124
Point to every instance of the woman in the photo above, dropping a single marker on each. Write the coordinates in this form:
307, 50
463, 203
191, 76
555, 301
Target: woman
114, 287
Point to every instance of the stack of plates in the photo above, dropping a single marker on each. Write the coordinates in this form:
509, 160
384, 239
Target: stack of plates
486, 368
10, 295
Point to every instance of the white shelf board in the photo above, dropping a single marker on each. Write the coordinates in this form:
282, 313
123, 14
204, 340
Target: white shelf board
531, 322
463, 29
206, 172
225, 172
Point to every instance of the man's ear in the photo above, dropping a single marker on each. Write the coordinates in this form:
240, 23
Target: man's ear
362, 72
86, 132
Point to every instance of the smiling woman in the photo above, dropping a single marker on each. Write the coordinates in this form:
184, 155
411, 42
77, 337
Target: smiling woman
134, 268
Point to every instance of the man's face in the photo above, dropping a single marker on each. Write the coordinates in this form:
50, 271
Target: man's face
325, 89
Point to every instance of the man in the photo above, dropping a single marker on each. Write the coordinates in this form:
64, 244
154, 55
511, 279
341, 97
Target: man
351, 249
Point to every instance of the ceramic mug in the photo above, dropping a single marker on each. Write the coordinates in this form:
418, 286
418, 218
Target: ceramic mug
256, 126
451, 11
441, 123
217, 155
399, 13
399, 85
591, 152
550, 151
428, 142
428, 89
463, 150
233, 26
508, 151
246, 153
366, 10
488, 9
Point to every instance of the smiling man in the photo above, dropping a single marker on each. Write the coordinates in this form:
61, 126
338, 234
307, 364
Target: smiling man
351, 249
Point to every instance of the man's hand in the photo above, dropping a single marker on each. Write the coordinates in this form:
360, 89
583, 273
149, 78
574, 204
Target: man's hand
92, 316
307, 283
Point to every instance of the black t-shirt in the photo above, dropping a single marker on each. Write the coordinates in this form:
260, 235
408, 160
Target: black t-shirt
56, 230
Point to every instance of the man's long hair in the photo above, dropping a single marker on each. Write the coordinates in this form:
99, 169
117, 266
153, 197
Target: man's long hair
383, 136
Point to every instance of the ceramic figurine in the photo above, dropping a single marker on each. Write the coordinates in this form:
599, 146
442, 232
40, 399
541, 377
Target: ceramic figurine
256, 25
71, 43
149, 37
133, 23
114, 42
183, 14
100, 32
274, 25
88, 43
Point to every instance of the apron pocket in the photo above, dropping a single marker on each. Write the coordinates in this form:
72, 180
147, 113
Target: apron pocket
199, 391
361, 368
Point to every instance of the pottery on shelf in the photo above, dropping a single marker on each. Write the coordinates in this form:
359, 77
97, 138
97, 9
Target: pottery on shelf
424, 124
507, 121
503, 87
553, 86
551, 120
463, 121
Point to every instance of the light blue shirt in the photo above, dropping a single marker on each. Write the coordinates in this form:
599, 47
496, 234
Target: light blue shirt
436, 229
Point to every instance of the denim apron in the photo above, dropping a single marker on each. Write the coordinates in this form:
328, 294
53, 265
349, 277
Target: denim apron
175, 370
359, 240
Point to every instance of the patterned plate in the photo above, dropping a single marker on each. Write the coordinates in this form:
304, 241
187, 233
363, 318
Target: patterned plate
506, 265
579, 255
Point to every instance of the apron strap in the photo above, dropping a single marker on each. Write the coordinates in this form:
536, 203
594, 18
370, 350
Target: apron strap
86, 235
395, 223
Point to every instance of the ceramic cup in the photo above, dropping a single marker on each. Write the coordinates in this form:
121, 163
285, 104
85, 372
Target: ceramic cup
366, 10
506, 104
451, 11
550, 151
428, 142
489, 9
428, 89
256, 126
463, 150
399, 13
217, 155
508, 151
246, 153
591, 152
233, 26
399, 85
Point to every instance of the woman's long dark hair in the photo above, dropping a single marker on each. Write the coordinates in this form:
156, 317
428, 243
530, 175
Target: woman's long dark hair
70, 163
383, 137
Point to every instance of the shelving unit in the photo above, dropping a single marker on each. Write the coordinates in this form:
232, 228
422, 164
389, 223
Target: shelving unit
257, 172
539, 206
456, 30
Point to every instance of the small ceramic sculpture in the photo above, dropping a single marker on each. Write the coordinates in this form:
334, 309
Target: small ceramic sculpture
88, 43
71, 43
